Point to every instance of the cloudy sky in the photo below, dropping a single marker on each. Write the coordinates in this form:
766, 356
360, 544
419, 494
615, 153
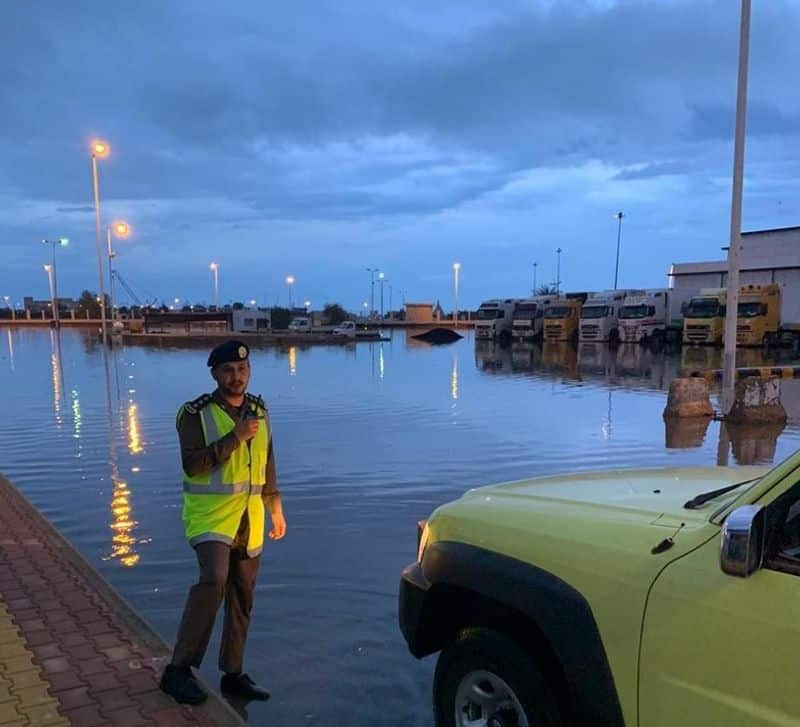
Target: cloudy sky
318, 138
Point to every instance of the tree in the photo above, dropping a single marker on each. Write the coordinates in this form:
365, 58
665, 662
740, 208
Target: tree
334, 314
547, 290
89, 302
280, 318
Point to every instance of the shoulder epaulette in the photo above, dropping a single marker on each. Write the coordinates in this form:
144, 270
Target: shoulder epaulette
257, 400
193, 407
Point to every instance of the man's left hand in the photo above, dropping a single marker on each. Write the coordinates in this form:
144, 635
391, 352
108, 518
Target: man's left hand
278, 527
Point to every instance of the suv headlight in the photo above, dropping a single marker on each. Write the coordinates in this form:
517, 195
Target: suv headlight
422, 538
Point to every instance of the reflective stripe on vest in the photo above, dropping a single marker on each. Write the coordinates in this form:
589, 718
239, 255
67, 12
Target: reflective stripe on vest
214, 502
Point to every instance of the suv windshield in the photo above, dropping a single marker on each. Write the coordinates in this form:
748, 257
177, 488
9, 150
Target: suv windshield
595, 311
703, 309
636, 311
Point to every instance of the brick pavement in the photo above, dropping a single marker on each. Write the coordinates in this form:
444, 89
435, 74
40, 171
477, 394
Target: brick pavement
72, 651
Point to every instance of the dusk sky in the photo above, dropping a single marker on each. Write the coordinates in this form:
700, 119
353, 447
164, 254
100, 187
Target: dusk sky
318, 138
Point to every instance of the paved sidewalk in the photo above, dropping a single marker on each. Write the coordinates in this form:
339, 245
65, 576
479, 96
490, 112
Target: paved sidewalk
72, 651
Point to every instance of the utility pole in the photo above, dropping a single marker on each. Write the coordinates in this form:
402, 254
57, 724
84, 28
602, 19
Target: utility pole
558, 272
731, 316
372, 272
533, 290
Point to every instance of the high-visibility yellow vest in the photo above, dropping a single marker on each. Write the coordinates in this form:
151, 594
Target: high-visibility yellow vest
214, 502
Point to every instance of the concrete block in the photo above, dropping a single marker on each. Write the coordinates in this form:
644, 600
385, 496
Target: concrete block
757, 401
688, 398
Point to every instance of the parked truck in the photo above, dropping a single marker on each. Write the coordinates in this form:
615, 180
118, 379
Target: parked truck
562, 318
493, 318
600, 316
766, 316
655, 316
528, 317
704, 319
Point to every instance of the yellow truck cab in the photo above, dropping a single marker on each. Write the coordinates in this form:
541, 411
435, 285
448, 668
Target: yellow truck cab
704, 319
562, 318
759, 315
645, 598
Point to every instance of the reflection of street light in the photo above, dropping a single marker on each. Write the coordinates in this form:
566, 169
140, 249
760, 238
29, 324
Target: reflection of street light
60, 242
100, 150
456, 270
290, 283
121, 230
214, 268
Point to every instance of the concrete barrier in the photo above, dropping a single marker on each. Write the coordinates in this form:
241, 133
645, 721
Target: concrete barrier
757, 401
688, 398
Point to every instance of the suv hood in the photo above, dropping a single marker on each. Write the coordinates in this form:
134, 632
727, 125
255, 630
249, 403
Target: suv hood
650, 493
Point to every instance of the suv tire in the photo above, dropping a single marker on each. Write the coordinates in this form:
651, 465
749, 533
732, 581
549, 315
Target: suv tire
494, 666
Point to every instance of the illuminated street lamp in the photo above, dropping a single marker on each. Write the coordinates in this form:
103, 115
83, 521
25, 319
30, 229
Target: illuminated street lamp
456, 270
366, 309
121, 230
382, 279
100, 150
307, 305
60, 242
252, 303
290, 283
214, 268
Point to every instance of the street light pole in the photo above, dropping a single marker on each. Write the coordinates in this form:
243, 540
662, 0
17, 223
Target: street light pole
120, 229
732, 300
61, 242
53, 310
381, 277
372, 272
100, 150
456, 271
558, 272
214, 268
619, 217
533, 291
290, 282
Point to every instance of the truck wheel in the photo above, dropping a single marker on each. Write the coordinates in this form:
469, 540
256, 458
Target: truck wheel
484, 678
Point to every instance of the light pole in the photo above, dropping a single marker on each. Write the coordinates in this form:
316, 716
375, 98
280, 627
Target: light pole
53, 310
307, 305
60, 242
100, 150
619, 217
214, 268
558, 272
456, 271
366, 312
120, 230
732, 312
535, 265
391, 305
372, 272
382, 280
290, 283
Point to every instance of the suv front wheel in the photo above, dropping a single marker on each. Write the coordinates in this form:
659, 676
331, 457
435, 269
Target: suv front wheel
483, 679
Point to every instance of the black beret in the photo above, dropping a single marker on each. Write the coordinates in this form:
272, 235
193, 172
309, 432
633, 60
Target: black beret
228, 351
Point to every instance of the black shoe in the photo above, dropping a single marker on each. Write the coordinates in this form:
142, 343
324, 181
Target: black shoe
181, 685
241, 685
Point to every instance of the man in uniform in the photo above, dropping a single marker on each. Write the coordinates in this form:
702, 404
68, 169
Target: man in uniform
228, 479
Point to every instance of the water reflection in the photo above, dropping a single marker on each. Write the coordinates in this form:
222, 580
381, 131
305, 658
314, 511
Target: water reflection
381, 365
10, 348
77, 419
685, 432
754, 443
292, 360
57, 373
123, 524
454, 379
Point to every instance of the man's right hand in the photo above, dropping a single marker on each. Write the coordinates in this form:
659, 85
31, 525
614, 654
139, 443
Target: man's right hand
246, 429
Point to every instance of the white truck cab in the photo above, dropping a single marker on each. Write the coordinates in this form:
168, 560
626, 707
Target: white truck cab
494, 318
528, 317
600, 316
300, 325
655, 316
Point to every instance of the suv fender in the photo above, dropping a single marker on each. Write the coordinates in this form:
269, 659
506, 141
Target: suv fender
457, 584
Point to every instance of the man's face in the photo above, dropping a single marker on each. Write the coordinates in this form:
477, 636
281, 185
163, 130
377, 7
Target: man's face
232, 377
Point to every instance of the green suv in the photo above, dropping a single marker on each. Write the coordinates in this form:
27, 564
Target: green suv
667, 597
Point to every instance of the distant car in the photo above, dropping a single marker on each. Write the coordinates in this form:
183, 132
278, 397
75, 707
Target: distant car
300, 325
346, 328
199, 309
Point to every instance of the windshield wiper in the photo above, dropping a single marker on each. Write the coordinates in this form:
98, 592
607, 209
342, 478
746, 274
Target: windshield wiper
705, 497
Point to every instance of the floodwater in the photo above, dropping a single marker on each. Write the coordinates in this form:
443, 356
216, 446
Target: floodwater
369, 439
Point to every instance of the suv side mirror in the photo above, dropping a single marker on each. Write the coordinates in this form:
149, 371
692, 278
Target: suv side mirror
742, 547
